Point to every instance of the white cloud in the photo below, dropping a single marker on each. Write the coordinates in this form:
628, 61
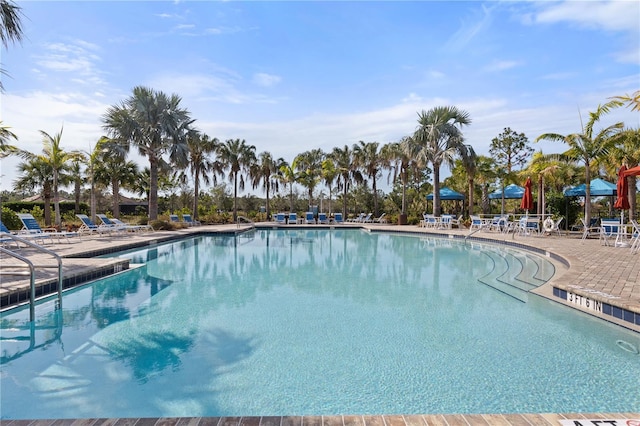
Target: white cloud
76, 61
266, 80
502, 65
611, 15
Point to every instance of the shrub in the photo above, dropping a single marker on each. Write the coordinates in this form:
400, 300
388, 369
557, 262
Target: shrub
10, 219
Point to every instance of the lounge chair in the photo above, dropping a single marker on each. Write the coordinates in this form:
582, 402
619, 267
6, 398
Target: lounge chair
4, 239
367, 218
30, 226
356, 219
322, 218
174, 218
309, 218
293, 218
380, 219
189, 221
337, 218
280, 218
135, 227
88, 227
609, 229
110, 224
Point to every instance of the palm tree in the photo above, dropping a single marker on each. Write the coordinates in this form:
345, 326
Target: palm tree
263, 173
201, 146
399, 157
632, 100
368, 157
469, 161
114, 169
37, 173
309, 168
156, 125
627, 151
439, 136
60, 162
10, 26
347, 172
288, 176
588, 147
329, 176
5, 136
238, 157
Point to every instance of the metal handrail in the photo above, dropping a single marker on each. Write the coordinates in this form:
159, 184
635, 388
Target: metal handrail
31, 266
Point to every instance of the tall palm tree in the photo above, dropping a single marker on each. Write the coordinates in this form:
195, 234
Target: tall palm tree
469, 161
10, 26
399, 158
368, 158
347, 172
60, 162
37, 173
201, 146
329, 176
588, 147
440, 138
288, 176
263, 173
114, 169
157, 126
627, 151
237, 156
309, 167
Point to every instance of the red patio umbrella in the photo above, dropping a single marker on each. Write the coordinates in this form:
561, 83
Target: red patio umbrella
527, 197
634, 171
622, 202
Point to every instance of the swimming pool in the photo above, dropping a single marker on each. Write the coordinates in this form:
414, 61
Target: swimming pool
292, 322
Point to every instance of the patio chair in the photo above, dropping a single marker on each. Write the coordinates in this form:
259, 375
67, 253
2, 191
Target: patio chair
4, 239
174, 218
280, 218
357, 218
88, 227
309, 218
367, 218
635, 236
609, 229
590, 229
476, 222
322, 218
430, 221
110, 224
190, 221
293, 218
380, 219
147, 227
337, 218
31, 227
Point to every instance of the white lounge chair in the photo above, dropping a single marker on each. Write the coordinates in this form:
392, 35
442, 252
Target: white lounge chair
280, 218
322, 218
309, 218
88, 227
31, 227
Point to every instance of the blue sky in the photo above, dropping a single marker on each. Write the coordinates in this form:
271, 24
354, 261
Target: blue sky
293, 76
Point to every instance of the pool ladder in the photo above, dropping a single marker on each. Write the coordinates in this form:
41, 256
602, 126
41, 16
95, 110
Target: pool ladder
26, 263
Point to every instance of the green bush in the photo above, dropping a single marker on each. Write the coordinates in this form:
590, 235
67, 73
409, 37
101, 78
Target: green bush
10, 219
162, 225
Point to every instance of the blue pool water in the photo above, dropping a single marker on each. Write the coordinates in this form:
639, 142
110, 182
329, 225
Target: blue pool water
314, 322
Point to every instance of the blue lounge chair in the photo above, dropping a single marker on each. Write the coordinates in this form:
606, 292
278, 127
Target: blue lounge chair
31, 227
88, 227
174, 218
137, 227
4, 239
322, 218
309, 218
189, 221
293, 218
110, 224
337, 218
280, 218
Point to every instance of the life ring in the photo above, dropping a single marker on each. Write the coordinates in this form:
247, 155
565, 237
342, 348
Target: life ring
548, 225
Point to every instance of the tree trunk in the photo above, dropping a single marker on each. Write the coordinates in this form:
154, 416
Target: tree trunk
587, 197
375, 197
470, 185
235, 197
153, 188
436, 189
46, 198
196, 191
76, 192
115, 187
56, 198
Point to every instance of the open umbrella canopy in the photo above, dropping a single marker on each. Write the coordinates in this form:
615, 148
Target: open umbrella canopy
510, 191
527, 197
634, 171
622, 203
599, 188
447, 194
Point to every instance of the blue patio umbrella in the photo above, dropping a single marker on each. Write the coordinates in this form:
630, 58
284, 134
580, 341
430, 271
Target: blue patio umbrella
447, 194
510, 192
599, 188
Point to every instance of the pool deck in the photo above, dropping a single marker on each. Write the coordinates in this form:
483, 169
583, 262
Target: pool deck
595, 273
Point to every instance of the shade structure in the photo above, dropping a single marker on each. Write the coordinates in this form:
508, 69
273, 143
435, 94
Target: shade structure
599, 188
634, 171
527, 197
622, 202
510, 192
447, 194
